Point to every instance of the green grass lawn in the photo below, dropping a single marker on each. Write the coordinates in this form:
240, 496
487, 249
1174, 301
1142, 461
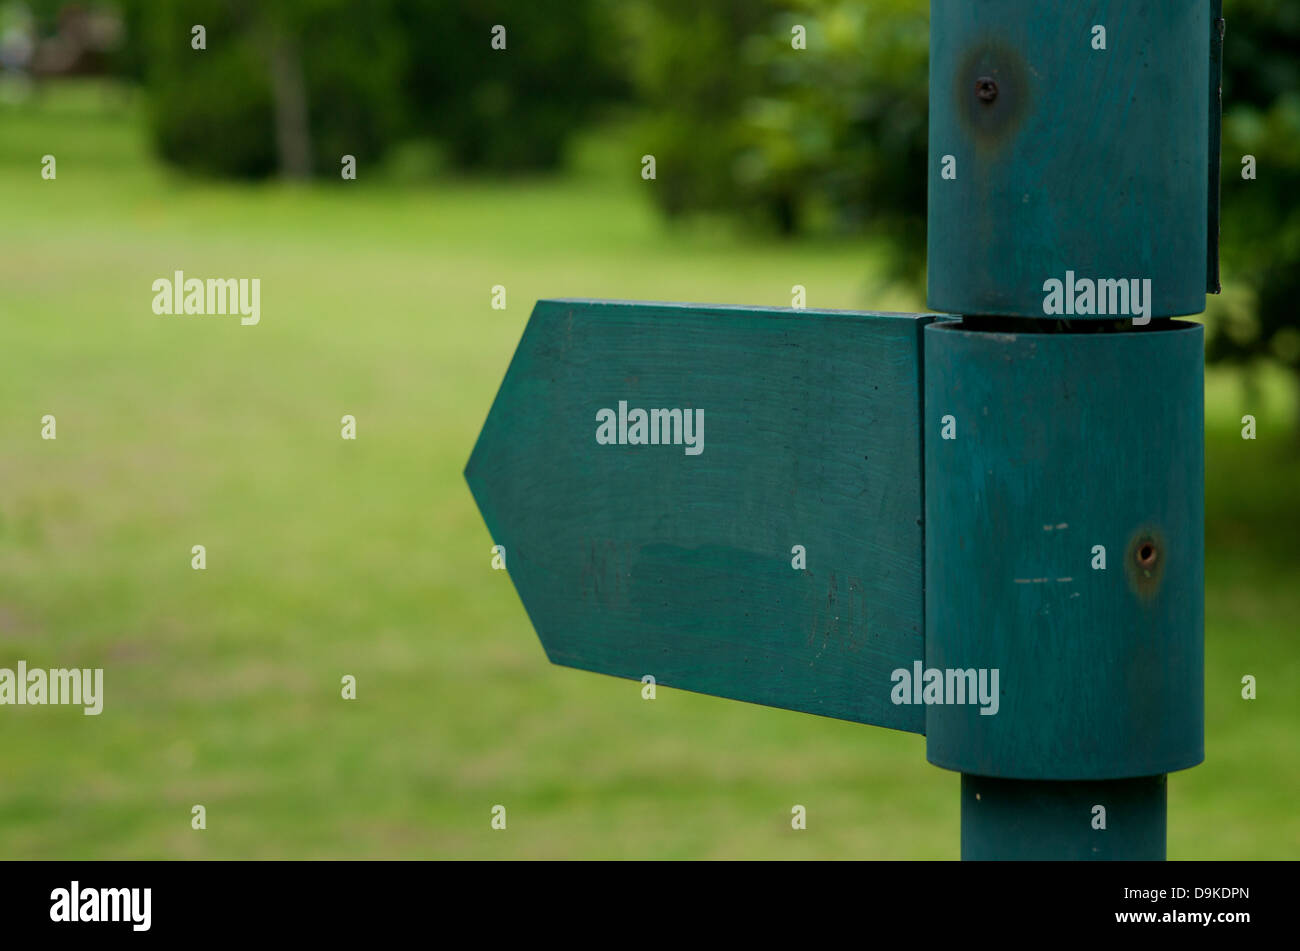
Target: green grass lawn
328, 558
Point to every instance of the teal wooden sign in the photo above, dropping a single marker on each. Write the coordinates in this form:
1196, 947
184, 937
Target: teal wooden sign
987, 531
725, 499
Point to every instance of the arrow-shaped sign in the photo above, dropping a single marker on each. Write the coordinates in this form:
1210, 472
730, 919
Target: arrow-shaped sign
726, 499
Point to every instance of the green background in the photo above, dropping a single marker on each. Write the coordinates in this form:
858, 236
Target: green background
327, 557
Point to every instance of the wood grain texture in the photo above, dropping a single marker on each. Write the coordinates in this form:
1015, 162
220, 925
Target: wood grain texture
1088, 160
1065, 442
642, 559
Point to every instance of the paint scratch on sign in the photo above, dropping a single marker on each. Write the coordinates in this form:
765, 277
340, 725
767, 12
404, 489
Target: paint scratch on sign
1058, 527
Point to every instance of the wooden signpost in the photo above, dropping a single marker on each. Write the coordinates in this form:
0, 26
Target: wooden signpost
988, 529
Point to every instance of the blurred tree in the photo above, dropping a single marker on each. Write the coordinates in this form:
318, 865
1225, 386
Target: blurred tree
689, 66
293, 85
286, 86
509, 108
831, 136
838, 137
1261, 216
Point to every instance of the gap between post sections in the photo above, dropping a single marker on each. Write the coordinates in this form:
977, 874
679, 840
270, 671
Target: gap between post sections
992, 323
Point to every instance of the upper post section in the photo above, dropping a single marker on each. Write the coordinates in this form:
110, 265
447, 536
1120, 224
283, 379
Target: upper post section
1070, 167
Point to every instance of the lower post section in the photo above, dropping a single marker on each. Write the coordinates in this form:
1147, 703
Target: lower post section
1009, 819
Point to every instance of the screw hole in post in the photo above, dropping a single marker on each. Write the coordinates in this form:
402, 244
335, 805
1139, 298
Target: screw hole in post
1146, 555
986, 88
1144, 560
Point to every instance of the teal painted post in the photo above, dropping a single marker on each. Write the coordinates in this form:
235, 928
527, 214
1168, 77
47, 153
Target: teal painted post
1072, 188
1011, 819
1064, 550
1067, 157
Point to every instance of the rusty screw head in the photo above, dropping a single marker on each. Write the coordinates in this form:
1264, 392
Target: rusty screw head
986, 88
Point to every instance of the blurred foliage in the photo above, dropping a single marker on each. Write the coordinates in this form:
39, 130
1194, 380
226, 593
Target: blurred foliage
368, 76
511, 109
687, 62
215, 110
1261, 217
829, 140
832, 138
